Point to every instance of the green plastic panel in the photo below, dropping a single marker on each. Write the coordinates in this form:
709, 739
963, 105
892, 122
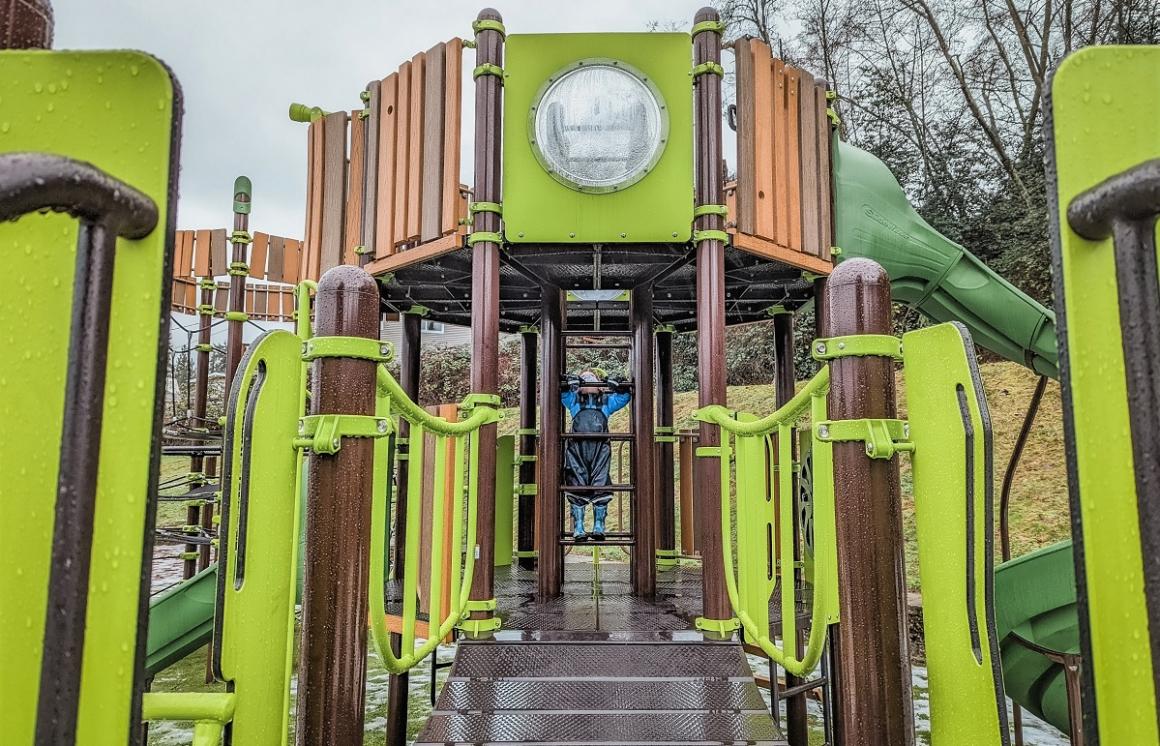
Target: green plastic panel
1104, 118
260, 538
118, 111
539, 209
951, 432
180, 620
505, 476
944, 281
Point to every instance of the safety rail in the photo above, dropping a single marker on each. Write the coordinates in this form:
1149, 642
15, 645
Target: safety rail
748, 443
454, 444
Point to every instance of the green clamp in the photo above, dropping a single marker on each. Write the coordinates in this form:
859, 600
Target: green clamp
239, 269
708, 451
323, 433
708, 68
480, 400
530, 554
205, 347
883, 437
721, 627
667, 558
528, 431
488, 69
699, 210
207, 283
418, 310
526, 458
241, 237
710, 235
479, 236
477, 627
487, 604
835, 251
237, 316
496, 207
361, 250
488, 25
189, 555
206, 309
835, 120
716, 27
664, 329
358, 348
529, 329
858, 345
777, 310
526, 489
831, 95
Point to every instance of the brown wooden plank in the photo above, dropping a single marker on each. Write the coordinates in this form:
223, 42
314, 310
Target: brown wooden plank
258, 251
371, 168
767, 249
747, 155
200, 254
355, 186
219, 261
221, 298
333, 190
415, 148
793, 158
275, 259
421, 253
311, 251
403, 146
185, 247
763, 221
385, 208
825, 232
808, 149
452, 109
777, 138
288, 304
431, 175
261, 300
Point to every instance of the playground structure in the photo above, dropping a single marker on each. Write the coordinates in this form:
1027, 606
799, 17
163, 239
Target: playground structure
796, 512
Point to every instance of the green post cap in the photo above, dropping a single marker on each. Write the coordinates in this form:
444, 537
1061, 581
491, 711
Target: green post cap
243, 192
304, 113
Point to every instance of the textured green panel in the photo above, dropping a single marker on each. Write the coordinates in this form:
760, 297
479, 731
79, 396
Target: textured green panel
504, 498
1105, 118
115, 110
539, 209
180, 620
256, 611
951, 432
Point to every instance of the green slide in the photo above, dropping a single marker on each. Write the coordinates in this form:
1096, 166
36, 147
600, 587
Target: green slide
1035, 595
180, 620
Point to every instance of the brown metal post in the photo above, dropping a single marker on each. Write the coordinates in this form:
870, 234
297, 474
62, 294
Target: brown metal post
26, 24
644, 507
549, 505
797, 720
874, 706
370, 184
485, 293
332, 671
526, 535
410, 354
197, 462
688, 446
666, 485
709, 190
211, 474
236, 326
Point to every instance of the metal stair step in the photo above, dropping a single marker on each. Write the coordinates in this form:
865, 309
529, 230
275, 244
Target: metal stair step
589, 660
477, 696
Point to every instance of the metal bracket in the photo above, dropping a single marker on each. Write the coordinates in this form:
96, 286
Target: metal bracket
526, 489
237, 316
528, 431
358, 348
708, 68
241, 237
488, 25
716, 27
361, 250
859, 345
530, 554
323, 433
495, 207
488, 68
708, 451
883, 437
710, 235
206, 309
722, 627
480, 400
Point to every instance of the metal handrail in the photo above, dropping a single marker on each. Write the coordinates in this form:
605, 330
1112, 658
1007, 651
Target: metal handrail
751, 585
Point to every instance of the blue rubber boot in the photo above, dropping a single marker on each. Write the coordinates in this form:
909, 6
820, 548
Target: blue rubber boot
578, 523
599, 512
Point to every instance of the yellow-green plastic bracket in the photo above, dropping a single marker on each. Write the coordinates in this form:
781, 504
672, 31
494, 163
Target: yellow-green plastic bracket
208, 711
489, 236
708, 68
710, 235
716, 27
859, 345
488, 68
701, 210
488, 25
723, 628
359, 348
883, 437
323, 433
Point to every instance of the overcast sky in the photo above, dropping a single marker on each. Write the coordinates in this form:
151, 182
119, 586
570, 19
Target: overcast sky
241, 62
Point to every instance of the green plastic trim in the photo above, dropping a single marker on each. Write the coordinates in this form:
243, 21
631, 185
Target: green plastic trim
418, 310
664, 329
479, 236
526, 458
487, 68
476, 627
859, 345
722, 627
699, 210
306, 114
710, 235
666, 439
716, 27
527, 489
529, 329
495, 207
528, 431
708, 451
243, 185
487, 604
530, 554
206, 347
835, 120
482, 414
883, 437
488, 25
207, 283
663, 430
237, 316
323, 433
239, 269
358, 348
360, 250
206, 309
480, 400
189, 555
708, 68
241, 237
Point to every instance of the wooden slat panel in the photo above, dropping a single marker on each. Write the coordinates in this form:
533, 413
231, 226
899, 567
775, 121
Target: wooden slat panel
747, 152
388, 135
221, 298
287, 304
452, 109
200, 255
275, 259
356, 168
333, 191
185, 246
415, 156
763, 219
219, 262
292, 261
261, 300
371, 169
309, 259
777, 152
431, 171
258, 251
403, 145
825, 237
808, 149
793, 158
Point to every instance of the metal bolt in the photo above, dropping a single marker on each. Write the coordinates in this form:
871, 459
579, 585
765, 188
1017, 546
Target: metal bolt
572, 234
906, 429
623, 235
841, 345
521, 234
869, 449
305, 348
301, 426
823, 431
384, 350
821, 348
382, 426
334, 444
674, 234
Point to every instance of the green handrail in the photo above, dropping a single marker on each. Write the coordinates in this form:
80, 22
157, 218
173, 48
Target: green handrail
452, 440
750, 586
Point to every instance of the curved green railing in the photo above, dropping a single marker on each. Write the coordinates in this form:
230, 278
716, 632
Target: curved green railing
757, 451
455, 446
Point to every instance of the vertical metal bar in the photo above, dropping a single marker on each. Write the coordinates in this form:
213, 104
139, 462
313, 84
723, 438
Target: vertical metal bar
211, 466
875, 692
237, 299
197, 462
687, 467
485, 293
414, 537
797, 719
26, 24
526, 541
332, 673
666, 486
550, 566
643, 463
709, 190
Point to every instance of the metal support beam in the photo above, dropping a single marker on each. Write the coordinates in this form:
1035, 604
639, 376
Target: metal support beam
550, 565
666, 536
235, 328
644, 502
332, 671
874, 704
527, 510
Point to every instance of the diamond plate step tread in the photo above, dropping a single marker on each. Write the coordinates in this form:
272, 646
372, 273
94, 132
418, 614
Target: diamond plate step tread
606, 696
599, 660
601, 728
